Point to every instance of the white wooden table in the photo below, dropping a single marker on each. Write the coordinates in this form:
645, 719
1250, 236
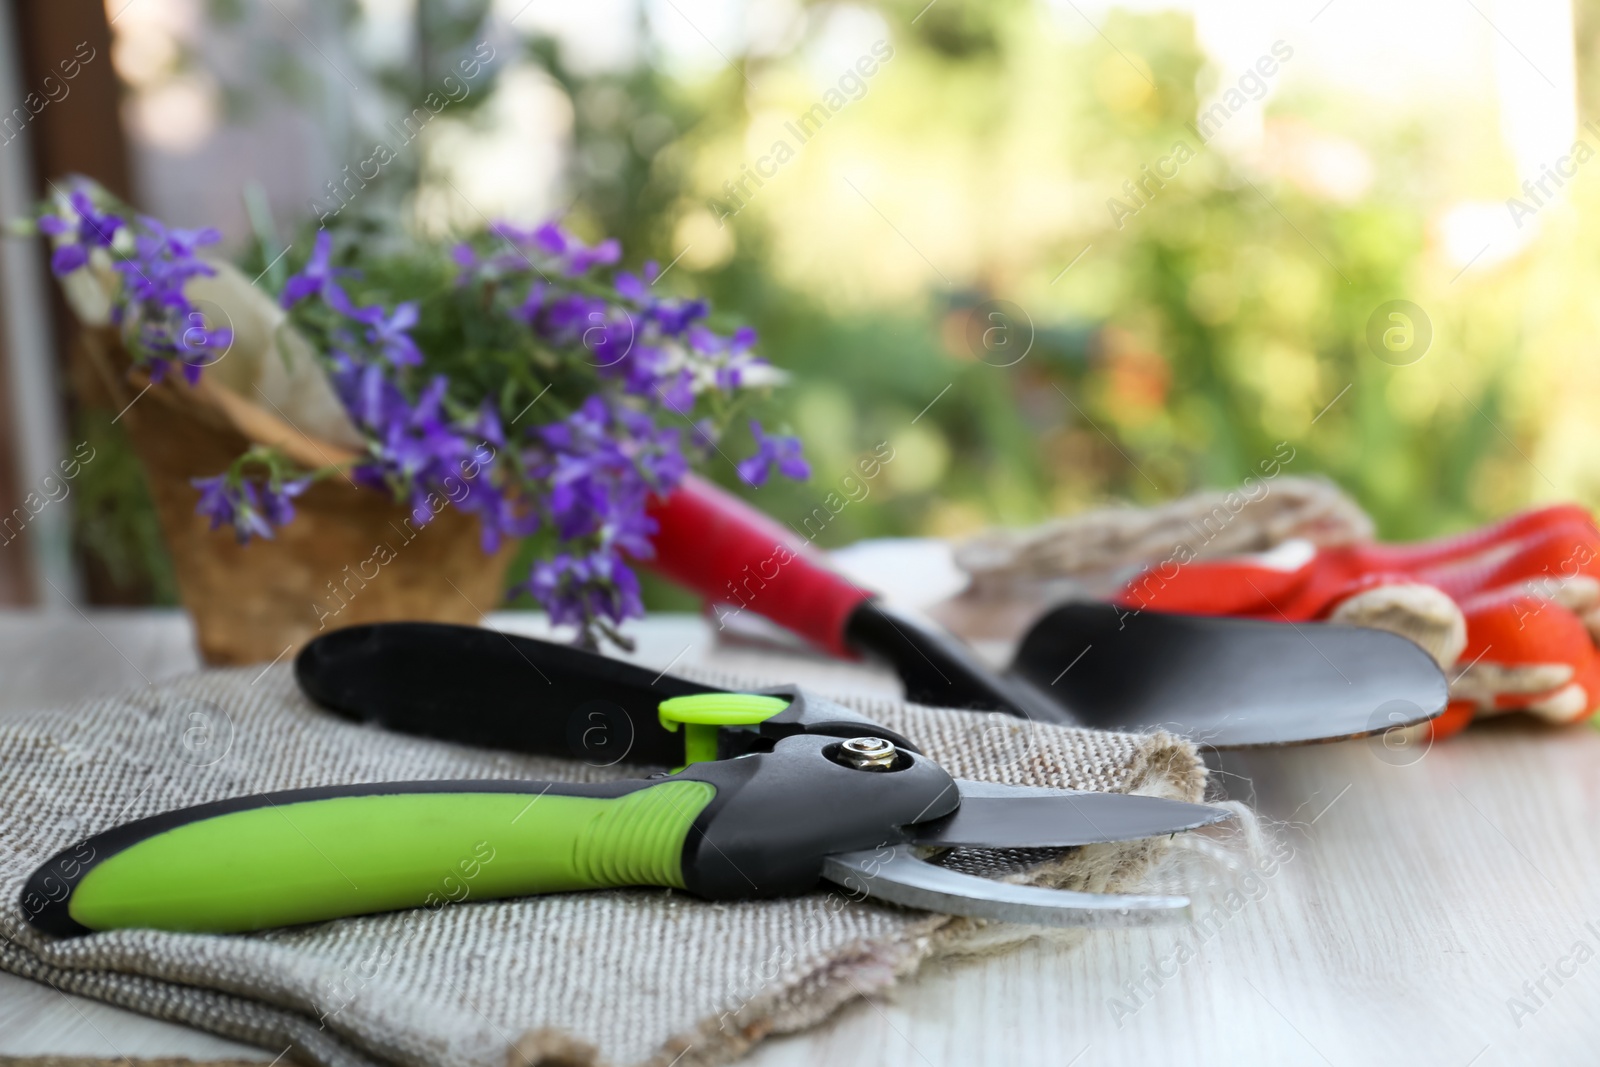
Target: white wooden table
1424, 890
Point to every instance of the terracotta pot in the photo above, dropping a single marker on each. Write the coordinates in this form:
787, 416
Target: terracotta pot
350, 556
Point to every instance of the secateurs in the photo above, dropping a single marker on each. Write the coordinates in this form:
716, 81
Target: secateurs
780, 789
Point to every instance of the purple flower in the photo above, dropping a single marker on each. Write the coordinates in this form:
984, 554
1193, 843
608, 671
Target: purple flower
275, 502
533, 303
565, 318
159, 323
94, 228
378, 397
85, 229
548, 239
388, 332
417, 454
218, 499
608, 341
602, 463
677, 392
577, 589
633, 286
198, 347
701, 340
316, 277
183, 243
674, 319
68, 258
616, 592
582, 260
488, 426
163, 261
500, 514
251, 508
550, 243
782, 452
705, 434
420, 446
631, 529
550, 583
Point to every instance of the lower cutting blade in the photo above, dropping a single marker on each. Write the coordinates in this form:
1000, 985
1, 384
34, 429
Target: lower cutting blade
896, 875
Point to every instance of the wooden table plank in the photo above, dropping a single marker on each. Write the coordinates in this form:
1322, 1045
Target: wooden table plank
1412, 910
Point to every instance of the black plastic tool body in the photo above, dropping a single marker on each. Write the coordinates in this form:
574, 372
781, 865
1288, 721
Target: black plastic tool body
497, 690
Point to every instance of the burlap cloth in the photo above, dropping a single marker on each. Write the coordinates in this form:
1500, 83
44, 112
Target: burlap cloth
621, 977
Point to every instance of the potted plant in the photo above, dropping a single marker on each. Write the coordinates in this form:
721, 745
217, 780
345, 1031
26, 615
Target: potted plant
364, 435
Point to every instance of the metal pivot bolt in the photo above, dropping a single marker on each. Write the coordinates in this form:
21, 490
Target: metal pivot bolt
867, 754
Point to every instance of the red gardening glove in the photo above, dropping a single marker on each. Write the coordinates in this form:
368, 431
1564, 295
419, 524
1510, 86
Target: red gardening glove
1518, 603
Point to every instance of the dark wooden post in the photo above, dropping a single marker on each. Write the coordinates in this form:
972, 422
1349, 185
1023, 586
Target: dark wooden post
79, 133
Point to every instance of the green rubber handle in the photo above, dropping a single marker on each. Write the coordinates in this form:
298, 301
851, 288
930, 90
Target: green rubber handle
288, 861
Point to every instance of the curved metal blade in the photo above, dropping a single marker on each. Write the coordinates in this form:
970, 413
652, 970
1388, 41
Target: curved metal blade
896, 875
1017, 816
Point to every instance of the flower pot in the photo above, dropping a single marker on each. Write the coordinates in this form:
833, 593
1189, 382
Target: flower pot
351, 555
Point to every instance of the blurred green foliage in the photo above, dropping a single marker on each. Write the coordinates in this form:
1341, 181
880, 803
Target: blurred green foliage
115, 520
1173, 346
1217, 321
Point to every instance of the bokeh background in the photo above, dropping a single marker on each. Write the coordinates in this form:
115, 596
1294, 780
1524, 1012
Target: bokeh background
1056, 253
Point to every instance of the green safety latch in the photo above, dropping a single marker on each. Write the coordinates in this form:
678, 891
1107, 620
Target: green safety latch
703, 714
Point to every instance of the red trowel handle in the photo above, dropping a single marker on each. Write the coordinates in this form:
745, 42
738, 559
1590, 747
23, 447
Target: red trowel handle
728, 552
